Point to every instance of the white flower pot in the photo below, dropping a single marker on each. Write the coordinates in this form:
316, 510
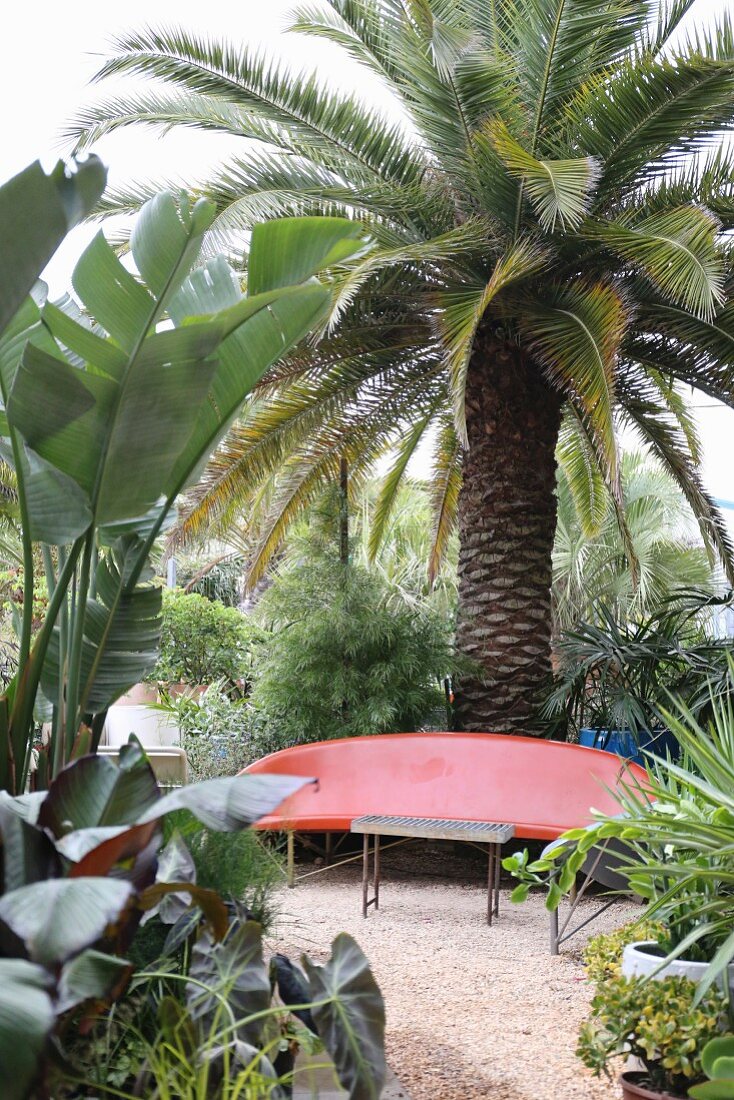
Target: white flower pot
153, 728
638, 962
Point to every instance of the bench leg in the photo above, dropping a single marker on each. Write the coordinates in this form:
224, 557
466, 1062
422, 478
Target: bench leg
494, 864
491, 878
365, 871
366, 899
376, 880
554, 932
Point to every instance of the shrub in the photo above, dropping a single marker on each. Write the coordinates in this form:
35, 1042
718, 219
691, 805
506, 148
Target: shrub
203, 641
347, 655
603, 953
656, 1021
220, 734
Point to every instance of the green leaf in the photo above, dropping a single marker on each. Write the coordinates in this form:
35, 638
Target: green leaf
58, 918
96, 791
28, 855
121, 632
560, 191
717, 1054
290, 250
27, 1019
234, 972
520, 893
351, 1022
36, 213
91, 976
166, 240
228, 803
555, 894
713, 1090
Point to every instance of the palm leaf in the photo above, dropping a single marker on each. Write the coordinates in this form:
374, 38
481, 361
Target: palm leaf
677, 250
559, 190
577, 337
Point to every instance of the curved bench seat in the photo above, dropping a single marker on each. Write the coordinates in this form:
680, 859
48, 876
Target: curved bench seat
540, 787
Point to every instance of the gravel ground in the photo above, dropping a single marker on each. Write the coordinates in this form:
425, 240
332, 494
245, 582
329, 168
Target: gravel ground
472, 1012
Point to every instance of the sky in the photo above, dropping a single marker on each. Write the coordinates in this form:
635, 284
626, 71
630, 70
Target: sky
51, 52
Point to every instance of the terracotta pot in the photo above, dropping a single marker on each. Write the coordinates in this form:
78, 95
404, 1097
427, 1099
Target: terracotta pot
138, 696
194, 691
633, 1090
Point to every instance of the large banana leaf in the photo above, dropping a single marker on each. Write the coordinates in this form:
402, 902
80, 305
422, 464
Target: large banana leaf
134, 424
121, 633
27, 1018
36, 213
131, 411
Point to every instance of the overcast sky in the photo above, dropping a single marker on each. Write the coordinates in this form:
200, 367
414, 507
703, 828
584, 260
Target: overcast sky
51, 51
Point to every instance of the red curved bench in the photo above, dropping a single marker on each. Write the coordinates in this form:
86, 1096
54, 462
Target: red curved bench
540, 787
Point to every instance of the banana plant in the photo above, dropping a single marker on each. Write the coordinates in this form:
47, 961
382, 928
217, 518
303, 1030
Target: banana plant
110, 411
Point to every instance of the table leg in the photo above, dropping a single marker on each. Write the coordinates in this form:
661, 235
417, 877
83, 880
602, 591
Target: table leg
377, 871
365, 871
498, 867
490, 884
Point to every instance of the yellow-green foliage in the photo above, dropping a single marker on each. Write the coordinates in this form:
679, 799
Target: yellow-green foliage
656, 1021
603, 953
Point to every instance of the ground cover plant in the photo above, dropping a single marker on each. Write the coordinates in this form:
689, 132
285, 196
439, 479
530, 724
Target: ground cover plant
551, 215
82, 864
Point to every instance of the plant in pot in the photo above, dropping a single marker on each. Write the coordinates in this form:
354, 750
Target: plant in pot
678, 837
613, 679
717, 1060
661, 1023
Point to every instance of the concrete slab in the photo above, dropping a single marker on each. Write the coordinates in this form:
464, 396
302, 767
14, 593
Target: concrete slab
315, 1081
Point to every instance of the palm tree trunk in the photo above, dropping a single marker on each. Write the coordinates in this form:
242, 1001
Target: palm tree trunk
507, 522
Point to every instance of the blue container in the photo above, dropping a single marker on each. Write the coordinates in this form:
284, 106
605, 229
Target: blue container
631, 746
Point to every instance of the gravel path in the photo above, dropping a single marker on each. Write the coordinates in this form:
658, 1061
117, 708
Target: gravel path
472, 1012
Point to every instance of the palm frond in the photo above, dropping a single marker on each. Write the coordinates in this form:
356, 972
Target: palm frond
576, 335
667, 441
445, 487
393, 479
559, 190
577, 462
459, 311
317, 122
677, 250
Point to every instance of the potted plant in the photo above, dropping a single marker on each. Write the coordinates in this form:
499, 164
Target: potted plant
678, 837
717, 1059
662, 1024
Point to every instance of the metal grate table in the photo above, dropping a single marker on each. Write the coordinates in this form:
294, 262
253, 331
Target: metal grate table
430, 828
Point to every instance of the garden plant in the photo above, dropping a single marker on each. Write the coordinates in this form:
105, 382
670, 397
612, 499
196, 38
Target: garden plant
136, 410
550, 217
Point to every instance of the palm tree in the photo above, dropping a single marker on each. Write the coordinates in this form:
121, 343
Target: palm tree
591, 564
548, 213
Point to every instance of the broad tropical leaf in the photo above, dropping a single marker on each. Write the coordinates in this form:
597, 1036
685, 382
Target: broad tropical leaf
351, 1021
27, 1018
60, 917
